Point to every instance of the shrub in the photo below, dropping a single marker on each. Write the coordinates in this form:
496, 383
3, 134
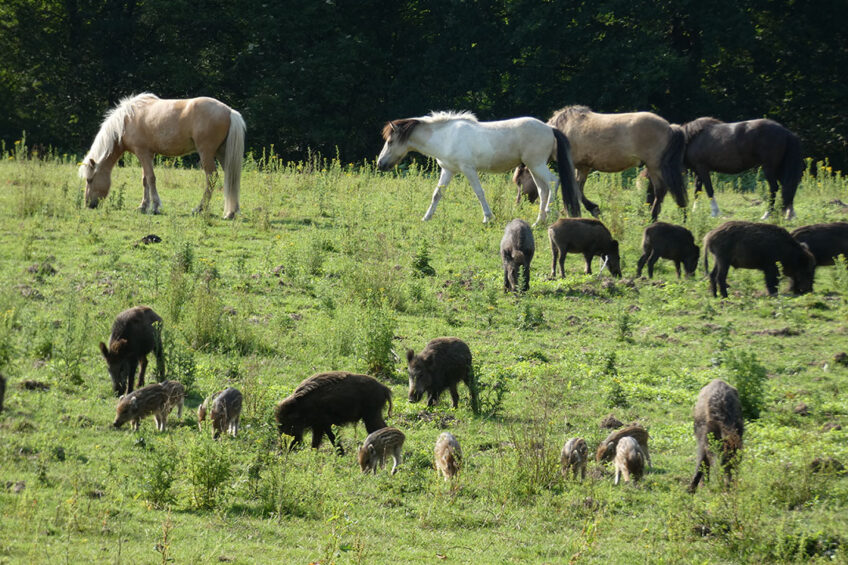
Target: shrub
157, 472
207, 469
749, 377
374, 345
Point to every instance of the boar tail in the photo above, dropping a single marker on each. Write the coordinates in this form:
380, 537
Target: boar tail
389, 398
706, 260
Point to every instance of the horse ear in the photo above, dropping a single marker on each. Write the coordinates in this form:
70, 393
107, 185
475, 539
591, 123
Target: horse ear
410, 355
394, 127
92, 163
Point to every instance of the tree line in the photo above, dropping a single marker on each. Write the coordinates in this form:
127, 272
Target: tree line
325, 75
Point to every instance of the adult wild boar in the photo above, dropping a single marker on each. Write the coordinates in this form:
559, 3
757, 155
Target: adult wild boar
667, 241
749, 245
718, 419
135, 333
583, 235
332, 399
442, 364
517, 250
825, 241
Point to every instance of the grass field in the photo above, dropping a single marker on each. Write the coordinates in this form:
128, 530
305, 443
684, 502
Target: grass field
327, 268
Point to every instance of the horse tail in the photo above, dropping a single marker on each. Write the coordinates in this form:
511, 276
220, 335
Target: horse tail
671, 165
791, 169
233, 157
570, 198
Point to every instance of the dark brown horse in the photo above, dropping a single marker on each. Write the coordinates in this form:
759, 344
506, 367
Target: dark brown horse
712, 145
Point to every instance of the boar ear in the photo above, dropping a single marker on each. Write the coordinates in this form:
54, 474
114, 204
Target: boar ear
134, 401
104, 350
117, 346
410, 355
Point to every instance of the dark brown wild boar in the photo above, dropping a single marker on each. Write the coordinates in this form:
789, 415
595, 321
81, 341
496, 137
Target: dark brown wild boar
583, 235
526, 185
825, 241
517, 250
442, 364
667, 241
332, 399
135, 333
749, 245
718, 418
151, 399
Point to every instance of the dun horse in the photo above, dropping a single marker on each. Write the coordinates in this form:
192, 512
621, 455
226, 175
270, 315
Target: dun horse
146, 125
462, 144
614, 142
712, 145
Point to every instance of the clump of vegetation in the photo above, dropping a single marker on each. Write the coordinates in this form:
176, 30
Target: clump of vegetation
208, 468
421, 262
749, 378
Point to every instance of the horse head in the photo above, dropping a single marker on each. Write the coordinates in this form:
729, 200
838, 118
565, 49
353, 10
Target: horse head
97, 182
396, 134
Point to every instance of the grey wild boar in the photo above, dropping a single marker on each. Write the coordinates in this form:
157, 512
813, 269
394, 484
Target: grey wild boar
135, 333
448, 455
151, 399
583, 235
442, 364
825, 241
379, 445
629, 460
573, 457
517, 250
175, 396
667, 241
332, 399
718, 420
606, 450
749, 245
225, 412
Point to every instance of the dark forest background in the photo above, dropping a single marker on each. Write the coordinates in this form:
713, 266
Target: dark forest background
326, 74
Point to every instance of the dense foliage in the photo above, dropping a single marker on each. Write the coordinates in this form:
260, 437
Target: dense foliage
326, 75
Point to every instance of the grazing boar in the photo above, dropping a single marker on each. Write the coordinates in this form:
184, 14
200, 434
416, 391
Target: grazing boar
606, 451
175, 396
825, 241
448, 455
749, 245
574, 454
442, 364
718, 418
377, 446
526, 185
151, 399
629, 460
583, 235
135, 333
332, 399
225, 412
667, 241
517, 250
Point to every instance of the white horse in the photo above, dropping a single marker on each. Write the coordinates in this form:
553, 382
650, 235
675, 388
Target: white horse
461, 144
146, 125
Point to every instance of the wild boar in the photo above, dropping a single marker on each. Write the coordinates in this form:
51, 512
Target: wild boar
667, 241
749, 245
448, 455
379, 445
606, 451
718, 419
583, 235
442, 364
517, 250
825, 241
573, 457
526, 185
629, 460
225, 412
151, 399
332, 399
175, 396
135, 333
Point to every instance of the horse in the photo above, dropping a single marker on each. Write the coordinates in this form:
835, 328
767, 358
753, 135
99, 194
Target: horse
611, 143
146, 125
712, 145
462, 144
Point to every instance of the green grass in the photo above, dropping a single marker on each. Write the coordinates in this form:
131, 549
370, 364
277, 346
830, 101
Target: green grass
326, 269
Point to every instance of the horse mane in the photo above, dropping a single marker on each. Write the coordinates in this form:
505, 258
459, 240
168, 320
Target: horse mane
438, 117
693, 128
112, 130
564, 114
403, 127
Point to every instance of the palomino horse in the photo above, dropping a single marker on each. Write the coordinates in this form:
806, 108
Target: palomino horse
146, 125
712, 145
461, 144
614, 142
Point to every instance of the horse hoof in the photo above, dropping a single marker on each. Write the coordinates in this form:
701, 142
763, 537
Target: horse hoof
229, 216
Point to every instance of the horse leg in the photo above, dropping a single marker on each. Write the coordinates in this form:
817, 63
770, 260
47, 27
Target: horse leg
708, 185
659, 194
148, 179
444, 179
540, 176
591, 207
207, 162
772, 182
472, 177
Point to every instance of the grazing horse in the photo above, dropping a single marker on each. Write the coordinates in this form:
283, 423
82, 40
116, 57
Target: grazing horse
712, 145
614, 142
461, 144
146, 125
